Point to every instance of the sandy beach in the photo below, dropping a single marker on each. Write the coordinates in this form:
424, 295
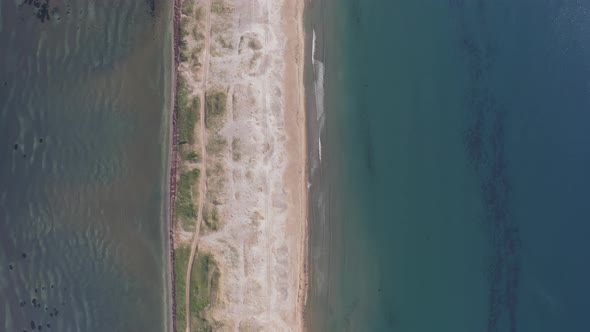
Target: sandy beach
254, 163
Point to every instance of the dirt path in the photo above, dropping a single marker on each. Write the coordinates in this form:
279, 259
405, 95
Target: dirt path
203, 177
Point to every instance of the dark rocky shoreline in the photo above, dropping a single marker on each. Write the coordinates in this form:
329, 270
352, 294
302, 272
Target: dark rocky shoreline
174, 159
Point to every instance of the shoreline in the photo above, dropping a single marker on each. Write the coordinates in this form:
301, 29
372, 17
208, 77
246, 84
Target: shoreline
296, 129
173, 161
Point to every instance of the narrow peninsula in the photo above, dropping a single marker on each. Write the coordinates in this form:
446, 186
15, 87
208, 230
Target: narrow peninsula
238, 186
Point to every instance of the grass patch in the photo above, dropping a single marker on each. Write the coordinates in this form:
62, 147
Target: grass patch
216, 104
188, 7
204, 284
180, 263
211, 218
184, 24
236, 155
184, 32
188, 113
217, 7
193, 157
186, 210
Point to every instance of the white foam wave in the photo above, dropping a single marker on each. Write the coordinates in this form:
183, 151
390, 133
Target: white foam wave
318, 67
318, 71
320, 147
313, 46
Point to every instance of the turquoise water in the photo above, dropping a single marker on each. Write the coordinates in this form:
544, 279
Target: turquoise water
84, 117
451, 193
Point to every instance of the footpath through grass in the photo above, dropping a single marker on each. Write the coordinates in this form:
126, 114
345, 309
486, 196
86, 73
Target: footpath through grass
204, 284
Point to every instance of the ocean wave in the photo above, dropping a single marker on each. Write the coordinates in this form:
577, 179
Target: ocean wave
318, 72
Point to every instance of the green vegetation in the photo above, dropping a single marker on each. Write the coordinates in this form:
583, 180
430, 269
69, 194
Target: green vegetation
211, 219
193, 157
188, 112
186, 210
180, 263
184, 32
204, 285
215, 108
217, 7
184, 23
235, 149
188, 7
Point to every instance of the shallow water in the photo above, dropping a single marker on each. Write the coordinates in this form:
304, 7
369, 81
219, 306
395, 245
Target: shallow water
84, 102
452, 190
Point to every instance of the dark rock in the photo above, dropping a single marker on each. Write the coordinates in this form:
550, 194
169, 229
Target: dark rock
24, 255
10, 266
33, 325
16, 146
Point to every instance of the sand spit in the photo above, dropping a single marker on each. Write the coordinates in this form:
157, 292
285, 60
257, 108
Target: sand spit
256, 163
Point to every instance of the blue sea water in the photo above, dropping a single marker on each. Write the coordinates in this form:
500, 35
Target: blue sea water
85, 95
452, 189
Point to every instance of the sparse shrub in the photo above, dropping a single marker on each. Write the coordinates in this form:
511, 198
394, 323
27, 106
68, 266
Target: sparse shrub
193, 157
216, 144
188, 7
236, 149
216, 103
254, 44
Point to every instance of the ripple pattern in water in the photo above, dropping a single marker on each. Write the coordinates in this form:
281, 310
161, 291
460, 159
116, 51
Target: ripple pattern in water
84, 94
